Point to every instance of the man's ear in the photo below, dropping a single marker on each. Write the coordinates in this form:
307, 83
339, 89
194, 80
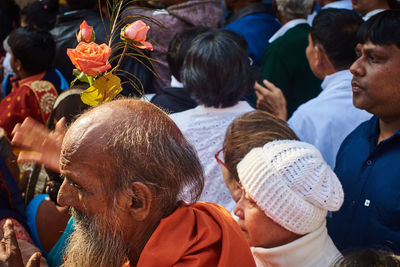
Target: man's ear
319, 56
141, 198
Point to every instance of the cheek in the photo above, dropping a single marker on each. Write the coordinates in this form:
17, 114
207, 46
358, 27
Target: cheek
256, 223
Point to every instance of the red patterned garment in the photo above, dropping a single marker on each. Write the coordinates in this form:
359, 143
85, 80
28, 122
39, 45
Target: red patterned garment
30, 97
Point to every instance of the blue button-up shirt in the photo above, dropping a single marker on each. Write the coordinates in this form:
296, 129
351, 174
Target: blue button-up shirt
370, 175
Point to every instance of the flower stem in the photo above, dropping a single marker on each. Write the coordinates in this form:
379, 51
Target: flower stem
90, 79
122, 55
115, 22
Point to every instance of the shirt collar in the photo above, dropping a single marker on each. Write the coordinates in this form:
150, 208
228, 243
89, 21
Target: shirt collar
18, 83
337, 77
345, 4
372, 13
285, 28
373, 131
175, 82
293, 253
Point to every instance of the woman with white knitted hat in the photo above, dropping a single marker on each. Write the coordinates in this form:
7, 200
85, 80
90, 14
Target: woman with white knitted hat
288, 190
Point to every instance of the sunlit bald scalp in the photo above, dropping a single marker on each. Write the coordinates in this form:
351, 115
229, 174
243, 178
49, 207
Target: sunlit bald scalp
138, 143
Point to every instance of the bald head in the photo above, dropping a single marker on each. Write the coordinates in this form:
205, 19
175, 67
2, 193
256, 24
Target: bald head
131, 141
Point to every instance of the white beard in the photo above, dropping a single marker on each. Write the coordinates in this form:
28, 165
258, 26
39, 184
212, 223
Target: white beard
95, 242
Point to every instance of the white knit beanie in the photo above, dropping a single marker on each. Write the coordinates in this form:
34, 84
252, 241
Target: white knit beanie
290, 181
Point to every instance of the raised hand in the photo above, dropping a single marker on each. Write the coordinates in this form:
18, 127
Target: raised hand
38, 143
270, 98
10, 254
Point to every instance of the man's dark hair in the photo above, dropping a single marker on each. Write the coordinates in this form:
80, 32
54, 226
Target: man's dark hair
34, 48
381, 29
393, 4
216, 71
40, 14
178, 48
81, 4
335, 30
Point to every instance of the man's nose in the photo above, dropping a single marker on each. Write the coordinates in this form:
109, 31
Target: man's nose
357, 68
66, 196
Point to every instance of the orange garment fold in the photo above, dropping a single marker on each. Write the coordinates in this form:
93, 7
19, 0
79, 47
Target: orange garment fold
200, 234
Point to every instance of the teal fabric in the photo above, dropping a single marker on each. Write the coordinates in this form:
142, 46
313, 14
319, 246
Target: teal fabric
30, 214
55, 257
285, 64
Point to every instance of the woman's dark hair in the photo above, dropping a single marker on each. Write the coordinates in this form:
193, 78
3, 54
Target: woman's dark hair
34, 48
335, 30
40, 14
178, 48
381, 29
216, 71
252, 129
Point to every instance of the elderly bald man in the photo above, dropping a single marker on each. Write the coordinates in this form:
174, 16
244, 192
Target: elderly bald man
125, 164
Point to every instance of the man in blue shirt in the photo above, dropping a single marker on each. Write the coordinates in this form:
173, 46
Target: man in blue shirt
368, 162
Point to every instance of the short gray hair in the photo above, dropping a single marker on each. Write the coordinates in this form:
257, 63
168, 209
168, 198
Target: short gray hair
295, 8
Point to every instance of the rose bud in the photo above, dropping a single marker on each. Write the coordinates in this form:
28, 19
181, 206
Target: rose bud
86, 33
136, 33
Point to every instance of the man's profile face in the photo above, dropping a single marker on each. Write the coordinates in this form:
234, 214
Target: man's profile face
100, 223
376, 79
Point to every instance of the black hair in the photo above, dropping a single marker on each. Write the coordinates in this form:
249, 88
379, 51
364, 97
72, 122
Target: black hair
34, 48
178, 48
40, 14
216, 70
335, 30
9, 18
393, 4
381, 29
367, 257
81, 4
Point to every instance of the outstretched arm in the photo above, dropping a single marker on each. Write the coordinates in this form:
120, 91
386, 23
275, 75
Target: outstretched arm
39, 144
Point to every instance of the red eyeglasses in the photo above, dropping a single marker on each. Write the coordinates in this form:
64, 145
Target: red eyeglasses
218, 159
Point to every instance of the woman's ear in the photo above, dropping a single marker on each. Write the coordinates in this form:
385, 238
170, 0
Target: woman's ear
140, 197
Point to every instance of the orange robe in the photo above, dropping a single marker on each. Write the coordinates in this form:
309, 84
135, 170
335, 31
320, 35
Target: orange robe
201, 234
29, 97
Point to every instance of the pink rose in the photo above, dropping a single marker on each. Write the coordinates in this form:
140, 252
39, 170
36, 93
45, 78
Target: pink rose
86, 33
136, 34
90, 58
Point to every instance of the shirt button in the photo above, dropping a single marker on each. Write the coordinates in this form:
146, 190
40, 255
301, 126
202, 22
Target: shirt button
369, 162
352, 203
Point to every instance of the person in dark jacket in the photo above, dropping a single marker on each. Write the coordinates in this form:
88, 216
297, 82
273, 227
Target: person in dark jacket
177, 16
